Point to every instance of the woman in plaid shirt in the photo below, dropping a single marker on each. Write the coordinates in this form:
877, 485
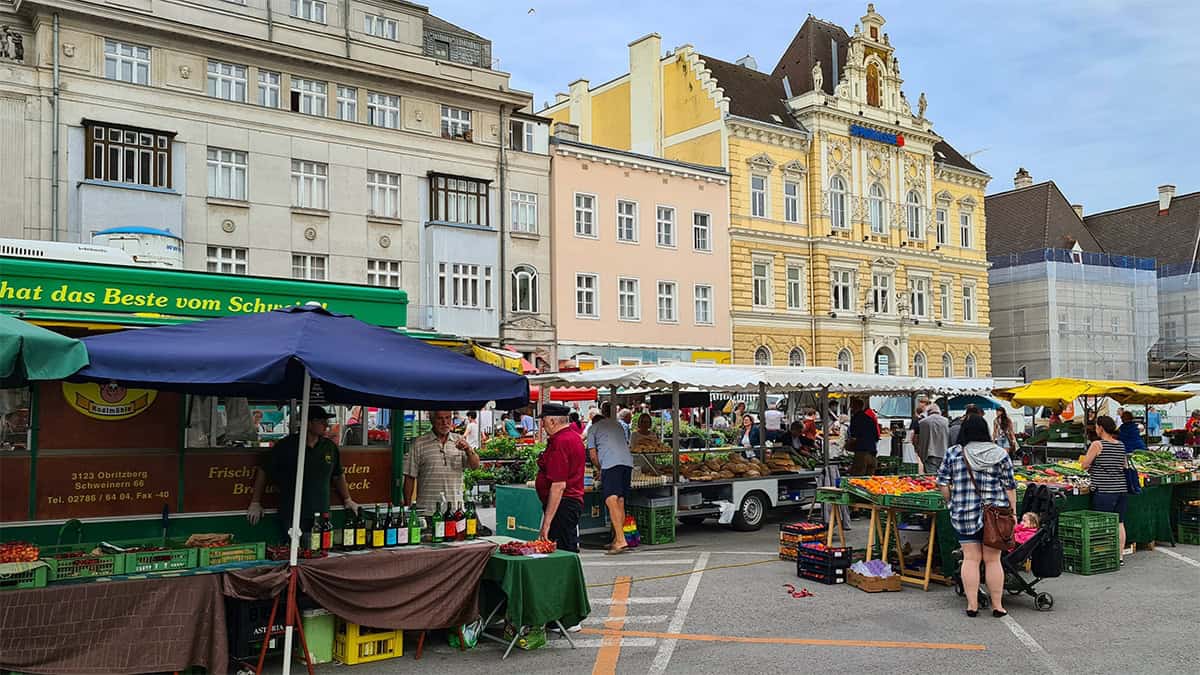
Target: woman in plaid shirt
994, 476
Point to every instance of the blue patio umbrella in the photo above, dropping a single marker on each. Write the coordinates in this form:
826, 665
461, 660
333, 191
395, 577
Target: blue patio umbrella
984, 403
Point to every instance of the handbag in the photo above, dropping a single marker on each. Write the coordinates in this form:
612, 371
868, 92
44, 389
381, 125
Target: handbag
998, 521
1132, 484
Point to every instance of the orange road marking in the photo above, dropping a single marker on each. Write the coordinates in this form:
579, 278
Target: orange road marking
608, 632
610, 648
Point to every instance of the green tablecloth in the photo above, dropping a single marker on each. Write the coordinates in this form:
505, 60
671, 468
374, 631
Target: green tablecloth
538, 590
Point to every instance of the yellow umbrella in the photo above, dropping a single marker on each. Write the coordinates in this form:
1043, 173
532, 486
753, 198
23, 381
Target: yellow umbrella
1059, 392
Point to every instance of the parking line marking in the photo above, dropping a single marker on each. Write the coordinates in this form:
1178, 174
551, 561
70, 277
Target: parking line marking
636, 600
1032, 645
1178, 556
631, 561
598, 643
667, 647
669, 637
610, 647
650, 618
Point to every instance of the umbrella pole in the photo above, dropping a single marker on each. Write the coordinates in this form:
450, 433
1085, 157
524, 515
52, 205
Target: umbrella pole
675, 444
762, 416
294, 531
824, 396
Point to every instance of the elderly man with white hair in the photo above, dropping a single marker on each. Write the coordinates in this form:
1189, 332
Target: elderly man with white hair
932, 439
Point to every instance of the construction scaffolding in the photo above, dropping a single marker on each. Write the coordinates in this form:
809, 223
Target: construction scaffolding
1177, 352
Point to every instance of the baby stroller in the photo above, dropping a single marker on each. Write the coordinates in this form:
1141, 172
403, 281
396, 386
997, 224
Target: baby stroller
1043, 551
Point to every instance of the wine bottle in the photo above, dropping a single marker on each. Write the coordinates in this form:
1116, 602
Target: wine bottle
439, 525
348, 531
326, 533
414, 526
472, 521
314, 533
393, 527
460, 522
379, 533
448, 517
360, 530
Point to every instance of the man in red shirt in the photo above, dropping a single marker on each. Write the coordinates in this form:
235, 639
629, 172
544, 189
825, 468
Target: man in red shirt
559, 481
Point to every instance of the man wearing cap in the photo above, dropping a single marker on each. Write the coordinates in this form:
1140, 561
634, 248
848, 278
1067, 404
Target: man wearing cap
433, 466
322, 466
559, 481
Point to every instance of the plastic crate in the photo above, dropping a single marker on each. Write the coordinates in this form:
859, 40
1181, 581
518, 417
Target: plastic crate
825, 576
908, 469
655, 525
176, 557
1093, 543
82, 567
354, 644
1087, 522
803, 528
928, 501
828, 495
812, 559
30, 578
246, 626
220, 555
787, 552
1087, 566
1188, 535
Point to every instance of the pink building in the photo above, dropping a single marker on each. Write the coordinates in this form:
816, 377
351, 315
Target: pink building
639, 256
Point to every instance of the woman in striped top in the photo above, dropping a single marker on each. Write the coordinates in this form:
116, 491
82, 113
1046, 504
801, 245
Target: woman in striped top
1105, 463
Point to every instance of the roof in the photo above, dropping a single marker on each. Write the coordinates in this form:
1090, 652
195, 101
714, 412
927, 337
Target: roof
812, 43
436, 23
554, 140
945, 152
1140, 230
752, 94
1034, 217
140, 230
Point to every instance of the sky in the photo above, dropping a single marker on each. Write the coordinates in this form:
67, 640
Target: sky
1100, 96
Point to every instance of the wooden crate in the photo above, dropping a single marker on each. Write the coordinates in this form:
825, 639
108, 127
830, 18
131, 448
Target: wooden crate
873, 584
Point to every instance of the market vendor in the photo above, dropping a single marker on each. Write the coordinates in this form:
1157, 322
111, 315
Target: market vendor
559, 481
322, 466
608, 447
862, 438
433, 466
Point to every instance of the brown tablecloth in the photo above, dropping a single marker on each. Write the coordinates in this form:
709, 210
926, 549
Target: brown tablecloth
115, 628
406, 588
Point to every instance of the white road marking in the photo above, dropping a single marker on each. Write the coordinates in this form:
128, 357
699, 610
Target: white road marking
650, 618
663, 658
1032, 645
596, 643
646, 600
1178, 556
631, 562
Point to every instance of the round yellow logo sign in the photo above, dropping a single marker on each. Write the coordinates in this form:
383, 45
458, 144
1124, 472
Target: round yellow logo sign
110, 402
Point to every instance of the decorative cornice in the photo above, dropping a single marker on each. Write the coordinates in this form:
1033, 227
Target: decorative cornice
911, 134
761, 161
741, 127
959, 176
649, 166
794, 168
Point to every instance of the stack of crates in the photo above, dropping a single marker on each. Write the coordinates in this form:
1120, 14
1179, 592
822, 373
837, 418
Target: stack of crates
1090, 542
655, 524
792, 535
823, 564
354, 644
1189, 524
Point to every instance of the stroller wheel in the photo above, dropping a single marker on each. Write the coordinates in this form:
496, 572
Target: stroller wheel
1044, 602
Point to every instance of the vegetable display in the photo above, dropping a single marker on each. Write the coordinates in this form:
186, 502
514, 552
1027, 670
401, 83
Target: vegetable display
18, 551
539, 546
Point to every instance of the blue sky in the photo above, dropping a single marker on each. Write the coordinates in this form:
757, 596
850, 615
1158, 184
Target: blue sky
1103, 97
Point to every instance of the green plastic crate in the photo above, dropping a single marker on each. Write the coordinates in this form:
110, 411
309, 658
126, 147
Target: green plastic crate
827, 495
1086, 522
908, 469
929, 501
1188, 535
176, 557
31, 578
655, 525
1087, 566
220, 555
84, 567
1094, 544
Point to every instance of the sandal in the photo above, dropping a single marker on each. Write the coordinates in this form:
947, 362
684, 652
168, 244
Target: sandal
999, 613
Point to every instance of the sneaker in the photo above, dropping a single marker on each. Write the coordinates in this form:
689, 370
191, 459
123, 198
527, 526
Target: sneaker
570, 629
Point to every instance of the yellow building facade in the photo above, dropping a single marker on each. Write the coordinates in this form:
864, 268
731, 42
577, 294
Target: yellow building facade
857, 234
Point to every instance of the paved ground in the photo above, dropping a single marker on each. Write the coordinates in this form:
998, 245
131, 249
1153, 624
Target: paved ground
1139, 619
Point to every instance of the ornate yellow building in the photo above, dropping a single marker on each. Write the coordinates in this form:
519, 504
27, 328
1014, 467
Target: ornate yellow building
857, 232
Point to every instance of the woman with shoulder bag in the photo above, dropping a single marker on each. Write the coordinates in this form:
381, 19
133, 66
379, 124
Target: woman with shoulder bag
976, 479
1105, 462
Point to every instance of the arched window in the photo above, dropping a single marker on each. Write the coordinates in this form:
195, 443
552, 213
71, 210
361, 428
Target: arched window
883, 362
845, 361
920, 366
873, 85
762, 356
912, 212
837, 203
970, 365
524, 289
947, 365
875, 209
796, 357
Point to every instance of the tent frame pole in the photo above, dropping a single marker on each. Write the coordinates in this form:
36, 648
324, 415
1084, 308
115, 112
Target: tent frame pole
675, 446
294, 531
762, 416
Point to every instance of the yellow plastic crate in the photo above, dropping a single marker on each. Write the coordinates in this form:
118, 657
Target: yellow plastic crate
354, 644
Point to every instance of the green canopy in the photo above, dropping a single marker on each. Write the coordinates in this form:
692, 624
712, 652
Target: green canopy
28, 352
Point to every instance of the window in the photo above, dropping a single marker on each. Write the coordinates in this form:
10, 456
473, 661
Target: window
968, 298
227, 81
758, 196
309, 182
947, 301
947, 365
456, 123
876, 211
268, 89
837, 203
381, 26
524, 211
306, 266
226, 174
667, 302
795, 286
459, 200
347, 104
126, 62
525, 289
964, 227
465, 285
383, 273
843, 290
969, 368
128, 155
704, 296
791, 201
701, 231
308, 96
585, 296
226, 260
845, 362
520, 135
383, 192
585, 215
920, 366
942, 226
1116, 325
762, 356
665, 227
912, 213
1064, 322
309, 10
796, 358
881, 292
762, 283
919, 296
383, 110
441, 49
627, 220
629, 305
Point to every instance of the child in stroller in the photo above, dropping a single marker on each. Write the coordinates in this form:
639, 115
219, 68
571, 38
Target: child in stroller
1043, 549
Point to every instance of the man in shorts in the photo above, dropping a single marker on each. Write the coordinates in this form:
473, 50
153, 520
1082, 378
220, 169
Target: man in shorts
607, 444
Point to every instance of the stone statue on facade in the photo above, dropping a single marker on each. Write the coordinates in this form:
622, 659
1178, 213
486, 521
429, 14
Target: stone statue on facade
921, 105
11, 45
818, 77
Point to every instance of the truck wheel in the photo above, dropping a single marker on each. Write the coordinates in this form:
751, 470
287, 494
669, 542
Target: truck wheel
751, 512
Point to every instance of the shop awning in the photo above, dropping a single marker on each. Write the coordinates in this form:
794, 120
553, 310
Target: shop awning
1059, 392
563, 394
501, 358
28, 352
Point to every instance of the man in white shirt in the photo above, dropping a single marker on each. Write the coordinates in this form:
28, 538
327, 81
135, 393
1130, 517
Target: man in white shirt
472, 431
773, 422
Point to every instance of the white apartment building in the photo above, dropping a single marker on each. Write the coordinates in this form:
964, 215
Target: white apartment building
360, 141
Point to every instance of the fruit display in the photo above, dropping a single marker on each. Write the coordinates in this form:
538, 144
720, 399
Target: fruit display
895, 485
539, 546
18, 551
